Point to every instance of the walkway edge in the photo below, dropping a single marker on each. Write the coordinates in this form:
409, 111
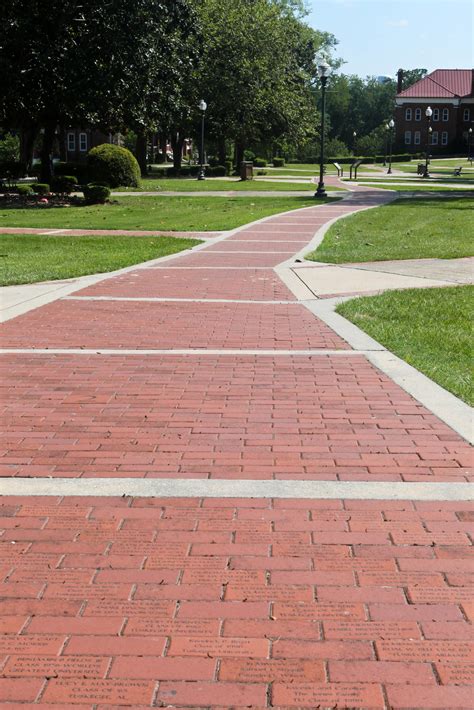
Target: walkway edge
216, 488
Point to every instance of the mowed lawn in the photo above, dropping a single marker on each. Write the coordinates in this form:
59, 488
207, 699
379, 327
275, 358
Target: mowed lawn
411, 228
26, 258
429, 328
217, 185
156, 213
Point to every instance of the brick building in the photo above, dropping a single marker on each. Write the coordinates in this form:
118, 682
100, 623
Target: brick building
450, 93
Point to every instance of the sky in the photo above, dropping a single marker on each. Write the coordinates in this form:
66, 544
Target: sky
378, 37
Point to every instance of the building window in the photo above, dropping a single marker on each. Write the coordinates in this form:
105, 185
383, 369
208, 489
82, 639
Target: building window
434, 138
71, 142
466, 115
446, 114
444, 138
407, 137
418, 114
83, 142
417, 138
408, 114
435, 116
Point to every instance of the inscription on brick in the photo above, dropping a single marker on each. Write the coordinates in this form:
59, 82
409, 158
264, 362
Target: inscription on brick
66, 666
318, 611
144, 607
34, 643
456, 673
430, 651
269, 671
340, 695
177, 627
370, 630
219, 647
129, 692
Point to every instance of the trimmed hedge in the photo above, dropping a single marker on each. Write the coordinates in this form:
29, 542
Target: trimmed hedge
40, 188
64, 184
78, 170
260, 163
278, 162
24, 190
113, 165
96, 194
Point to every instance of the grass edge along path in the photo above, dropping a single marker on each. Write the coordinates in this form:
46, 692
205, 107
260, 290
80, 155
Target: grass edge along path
186, 214
428, 328
410, 228
31, 258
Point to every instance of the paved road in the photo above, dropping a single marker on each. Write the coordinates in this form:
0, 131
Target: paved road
214, 598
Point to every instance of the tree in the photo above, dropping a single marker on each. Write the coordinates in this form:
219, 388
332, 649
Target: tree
105, 62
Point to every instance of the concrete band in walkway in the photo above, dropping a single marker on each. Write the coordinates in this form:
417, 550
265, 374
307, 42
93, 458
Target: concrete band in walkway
213, 488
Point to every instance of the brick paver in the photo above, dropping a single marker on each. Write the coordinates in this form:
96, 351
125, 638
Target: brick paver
110, 602
260, 637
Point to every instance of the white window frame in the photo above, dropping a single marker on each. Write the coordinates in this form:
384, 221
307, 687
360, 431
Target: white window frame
435, 116
71, 142
407, 137
83, 142
444, 138
408, 114
417, 138
418, 114
434, 138
446, 114
466, 115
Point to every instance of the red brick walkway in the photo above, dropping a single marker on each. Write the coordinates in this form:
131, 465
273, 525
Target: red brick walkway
216, 602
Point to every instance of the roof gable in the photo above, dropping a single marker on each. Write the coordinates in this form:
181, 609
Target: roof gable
442, 83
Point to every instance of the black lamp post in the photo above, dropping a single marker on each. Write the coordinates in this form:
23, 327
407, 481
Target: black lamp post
385, 146
469, 137
202, 108
429, 130
324, 71
390, 126
354, 142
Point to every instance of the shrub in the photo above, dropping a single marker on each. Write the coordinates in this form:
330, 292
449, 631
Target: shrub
9, 148
278, 162
260, 163
217, 171
40, 188
78, 170
95, 194
64, 184
114, 165
24, 190
229, 168
262, 172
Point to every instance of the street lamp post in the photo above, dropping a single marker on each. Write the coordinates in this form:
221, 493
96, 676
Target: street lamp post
202, 108
429, 130
385, 146
469, 137
324, 71
354, 139
390, 126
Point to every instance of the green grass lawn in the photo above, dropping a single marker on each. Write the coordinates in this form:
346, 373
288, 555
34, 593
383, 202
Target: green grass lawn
429, 328
27, 258
211, 184
156, 213
411, 228
410, 187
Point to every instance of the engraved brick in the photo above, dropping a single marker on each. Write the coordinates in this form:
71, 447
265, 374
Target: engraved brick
272, 629
456, 673
227, 694
271, 593
312, 695
100, 626
370, 630
19, 689
451, 630
223, 610
53, 666
220, 647
270, 671
119, 692
48, 644
322, 649
381, 672
424, 651
116, 645
172, 627
436, 595
142, 607
413, 612
322, 610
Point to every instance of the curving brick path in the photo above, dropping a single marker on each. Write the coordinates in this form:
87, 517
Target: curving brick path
110, 602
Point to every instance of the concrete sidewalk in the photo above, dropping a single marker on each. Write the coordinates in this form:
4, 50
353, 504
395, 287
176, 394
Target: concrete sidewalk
213, 498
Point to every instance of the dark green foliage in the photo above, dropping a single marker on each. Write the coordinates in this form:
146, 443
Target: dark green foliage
79, 170
114, 165
217, 171
96, 194
260, 163
278, 162
40, 188
64, 184
24, 190
12, 169
229, 168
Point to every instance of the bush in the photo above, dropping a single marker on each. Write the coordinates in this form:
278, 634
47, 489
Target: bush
262, 172
64, 184
96, 194
229, 168
278, 162
260, 163
24, 190
113, 165
40, 188
217, 171
9, 149
78, 170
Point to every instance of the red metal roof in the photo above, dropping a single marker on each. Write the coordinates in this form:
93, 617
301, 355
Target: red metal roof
442, 83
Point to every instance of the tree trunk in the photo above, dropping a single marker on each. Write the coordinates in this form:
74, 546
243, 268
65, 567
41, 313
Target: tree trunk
221, 150
140, 151
27, 141
177, 142
239, 153
47, 153
62, 144
163, 142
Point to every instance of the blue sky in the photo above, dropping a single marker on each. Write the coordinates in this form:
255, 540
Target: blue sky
379, 36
